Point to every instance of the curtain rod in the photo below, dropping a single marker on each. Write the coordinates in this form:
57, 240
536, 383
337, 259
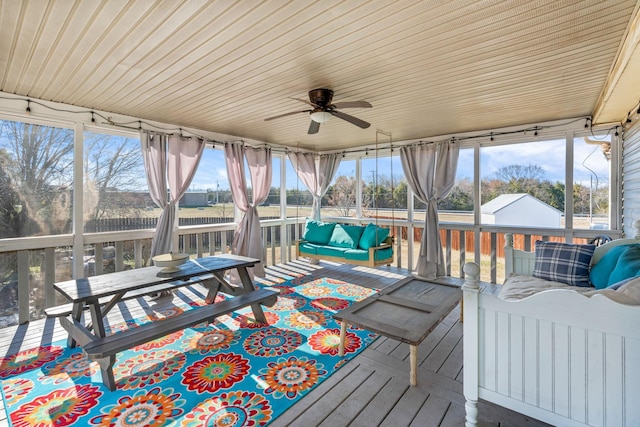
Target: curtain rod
285, 150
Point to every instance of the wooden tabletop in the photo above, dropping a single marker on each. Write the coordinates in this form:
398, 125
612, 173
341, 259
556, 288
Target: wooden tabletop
94, 287
407, 310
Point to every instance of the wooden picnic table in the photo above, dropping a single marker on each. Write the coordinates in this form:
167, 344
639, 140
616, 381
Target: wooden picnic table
99, 294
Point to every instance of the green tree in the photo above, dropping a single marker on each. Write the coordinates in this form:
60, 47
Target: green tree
297, 197
400, 194
460, 198
529, 179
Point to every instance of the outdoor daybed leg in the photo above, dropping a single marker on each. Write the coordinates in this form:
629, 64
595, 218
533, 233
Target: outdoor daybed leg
471, 407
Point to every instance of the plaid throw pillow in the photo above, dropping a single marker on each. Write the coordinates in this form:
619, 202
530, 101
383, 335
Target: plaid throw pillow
563, 262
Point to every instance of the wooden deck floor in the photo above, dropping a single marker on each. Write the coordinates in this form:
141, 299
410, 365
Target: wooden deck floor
371, 390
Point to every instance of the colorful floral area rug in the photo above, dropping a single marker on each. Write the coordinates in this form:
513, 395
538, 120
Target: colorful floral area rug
233, 372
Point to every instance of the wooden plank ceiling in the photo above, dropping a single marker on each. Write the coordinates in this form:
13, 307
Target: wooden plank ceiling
428, 67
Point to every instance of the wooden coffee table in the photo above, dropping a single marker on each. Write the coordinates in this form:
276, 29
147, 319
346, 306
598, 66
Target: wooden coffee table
407, 311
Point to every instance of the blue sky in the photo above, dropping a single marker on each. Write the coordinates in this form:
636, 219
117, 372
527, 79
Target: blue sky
547, 154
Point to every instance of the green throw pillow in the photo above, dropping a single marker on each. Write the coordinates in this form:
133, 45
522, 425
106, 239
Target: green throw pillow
318, 232
601, 270
373, 236
628, 265
346, 236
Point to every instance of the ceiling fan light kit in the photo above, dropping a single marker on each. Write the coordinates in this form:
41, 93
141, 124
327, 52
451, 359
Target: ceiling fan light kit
323, 109
320, 116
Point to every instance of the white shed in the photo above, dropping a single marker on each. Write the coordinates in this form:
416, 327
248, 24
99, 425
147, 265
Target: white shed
192, 199
520, 209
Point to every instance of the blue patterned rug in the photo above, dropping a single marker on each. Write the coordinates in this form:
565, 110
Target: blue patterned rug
233, 372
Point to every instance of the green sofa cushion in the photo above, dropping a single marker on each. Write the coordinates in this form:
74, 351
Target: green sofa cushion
372, 236
346, 236
331, 251
363, 255
308, 248
318, 232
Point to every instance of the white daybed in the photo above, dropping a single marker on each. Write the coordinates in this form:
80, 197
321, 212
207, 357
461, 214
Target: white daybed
559, 356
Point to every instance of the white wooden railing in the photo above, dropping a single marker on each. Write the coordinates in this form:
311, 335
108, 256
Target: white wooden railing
41, 261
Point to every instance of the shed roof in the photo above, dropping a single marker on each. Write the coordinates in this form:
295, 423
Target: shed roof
502, 201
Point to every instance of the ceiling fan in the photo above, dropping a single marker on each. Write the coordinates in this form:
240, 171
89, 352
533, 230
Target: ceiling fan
323, 109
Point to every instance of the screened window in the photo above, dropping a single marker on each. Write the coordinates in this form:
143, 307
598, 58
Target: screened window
208, 200
116, 195
385, 187
523, 184
36, 174
340, 198
458, 205
299, 199
591, 166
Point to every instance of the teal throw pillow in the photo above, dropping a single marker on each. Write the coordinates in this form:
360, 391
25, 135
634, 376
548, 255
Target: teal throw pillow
628, 265
601, 270
346, 236
373, 236
318, 232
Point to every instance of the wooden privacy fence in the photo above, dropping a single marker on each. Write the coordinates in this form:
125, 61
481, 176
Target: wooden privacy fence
120, 224
141, 223
519, 240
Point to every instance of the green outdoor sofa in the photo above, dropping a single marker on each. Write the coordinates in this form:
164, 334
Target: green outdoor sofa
368, 245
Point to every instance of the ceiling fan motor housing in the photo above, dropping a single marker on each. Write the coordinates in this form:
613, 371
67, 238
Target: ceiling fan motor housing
321, 97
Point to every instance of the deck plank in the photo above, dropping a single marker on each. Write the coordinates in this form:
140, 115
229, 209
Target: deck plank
452, 366
432, 412
439, 355
453, 416
324, 406
378, 408
405, 409
359, 399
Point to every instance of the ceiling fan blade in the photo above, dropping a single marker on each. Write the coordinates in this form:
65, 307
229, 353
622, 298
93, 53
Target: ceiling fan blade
314, 127
306, 102
286, 114
353, 120
352, 104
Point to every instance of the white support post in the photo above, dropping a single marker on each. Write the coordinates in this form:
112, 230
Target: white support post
137, 253
119, 256
568, 193
470, 295
358, 187
508, 254
78, 201
410, 230
284, 241
175, 232
23, 286
49, 276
